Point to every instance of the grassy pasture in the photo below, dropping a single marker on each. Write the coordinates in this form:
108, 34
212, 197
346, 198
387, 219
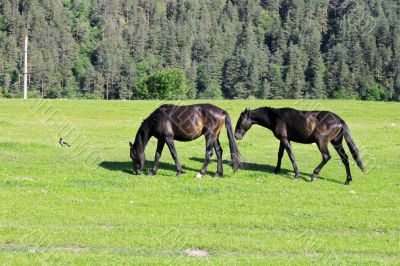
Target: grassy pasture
80, 205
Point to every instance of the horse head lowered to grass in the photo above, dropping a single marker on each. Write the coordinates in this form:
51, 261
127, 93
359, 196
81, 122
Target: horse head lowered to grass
184, 123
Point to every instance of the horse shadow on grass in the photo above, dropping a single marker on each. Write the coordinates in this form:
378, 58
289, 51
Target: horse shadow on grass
126, 167
270, 169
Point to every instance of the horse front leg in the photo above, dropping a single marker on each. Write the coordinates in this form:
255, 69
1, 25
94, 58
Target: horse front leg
289, 150
160, 147
280, 155
174, 154
209, 152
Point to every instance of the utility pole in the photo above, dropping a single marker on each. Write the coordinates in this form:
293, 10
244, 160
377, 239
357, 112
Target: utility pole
26, 68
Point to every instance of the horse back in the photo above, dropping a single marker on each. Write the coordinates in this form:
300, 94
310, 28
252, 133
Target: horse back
186, 122
306, 126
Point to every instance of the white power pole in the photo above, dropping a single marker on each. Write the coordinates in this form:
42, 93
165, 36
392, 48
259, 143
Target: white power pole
26, 68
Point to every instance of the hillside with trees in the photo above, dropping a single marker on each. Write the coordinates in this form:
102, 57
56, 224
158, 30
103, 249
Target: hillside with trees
169, 49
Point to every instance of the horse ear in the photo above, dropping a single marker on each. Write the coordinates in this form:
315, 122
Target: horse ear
130, 144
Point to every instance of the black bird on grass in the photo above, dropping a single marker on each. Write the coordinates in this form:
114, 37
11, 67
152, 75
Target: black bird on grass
63, 143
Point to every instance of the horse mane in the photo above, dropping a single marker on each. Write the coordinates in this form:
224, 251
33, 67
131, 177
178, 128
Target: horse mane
264, 109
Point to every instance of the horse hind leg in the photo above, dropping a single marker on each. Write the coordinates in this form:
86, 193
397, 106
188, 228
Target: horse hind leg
323, 148
337, 144
209, 152
218, 152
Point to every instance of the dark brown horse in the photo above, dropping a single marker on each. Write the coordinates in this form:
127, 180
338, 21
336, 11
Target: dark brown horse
287, 124
184, 123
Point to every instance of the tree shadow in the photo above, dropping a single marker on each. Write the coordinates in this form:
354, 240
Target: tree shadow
270, 169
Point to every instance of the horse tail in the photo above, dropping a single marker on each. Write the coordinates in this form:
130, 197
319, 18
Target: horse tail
352, 146
235, 155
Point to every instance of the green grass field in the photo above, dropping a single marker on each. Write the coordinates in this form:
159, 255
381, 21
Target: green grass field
80, 205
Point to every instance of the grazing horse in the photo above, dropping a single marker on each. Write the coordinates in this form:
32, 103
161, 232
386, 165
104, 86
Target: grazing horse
184, 123
287, 124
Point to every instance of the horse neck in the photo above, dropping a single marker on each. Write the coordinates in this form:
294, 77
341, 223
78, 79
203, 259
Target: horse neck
142, 137
262, 117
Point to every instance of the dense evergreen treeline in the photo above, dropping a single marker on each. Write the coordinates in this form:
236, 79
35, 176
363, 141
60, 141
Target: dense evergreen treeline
124, 49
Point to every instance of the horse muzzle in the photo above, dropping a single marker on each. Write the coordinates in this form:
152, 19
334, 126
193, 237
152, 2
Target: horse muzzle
238, 136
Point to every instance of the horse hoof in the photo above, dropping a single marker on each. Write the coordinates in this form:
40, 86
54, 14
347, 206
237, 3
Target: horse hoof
179, 173
276, 172
217, 176
347, 183
199, 176
296, 178
150, 174
313, 178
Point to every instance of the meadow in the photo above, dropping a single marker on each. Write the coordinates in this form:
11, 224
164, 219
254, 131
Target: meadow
83, 206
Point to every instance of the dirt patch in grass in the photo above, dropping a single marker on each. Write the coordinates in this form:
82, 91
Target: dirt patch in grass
24, 179
195, 252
